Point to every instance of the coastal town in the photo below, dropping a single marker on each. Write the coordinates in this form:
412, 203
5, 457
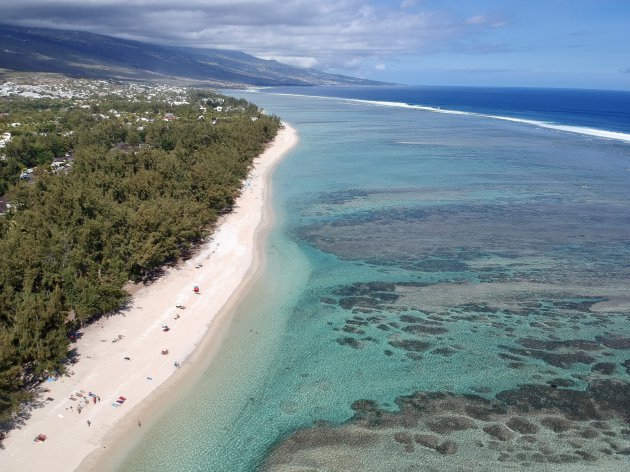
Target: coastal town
61, 87
46, 126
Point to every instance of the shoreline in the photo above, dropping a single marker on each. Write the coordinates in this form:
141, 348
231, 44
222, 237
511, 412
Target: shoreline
224, 268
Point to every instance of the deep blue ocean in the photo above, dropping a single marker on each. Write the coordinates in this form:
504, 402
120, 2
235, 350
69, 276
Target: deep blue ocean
607, 110
446, 288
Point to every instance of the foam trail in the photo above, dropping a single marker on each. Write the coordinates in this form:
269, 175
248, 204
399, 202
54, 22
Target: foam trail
598, 133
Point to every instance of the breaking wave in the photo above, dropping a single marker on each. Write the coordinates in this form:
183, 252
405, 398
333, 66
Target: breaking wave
586, 131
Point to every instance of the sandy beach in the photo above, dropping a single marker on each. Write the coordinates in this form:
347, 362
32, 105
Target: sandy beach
123, 361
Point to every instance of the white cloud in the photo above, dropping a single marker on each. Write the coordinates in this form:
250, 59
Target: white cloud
492, 21
475, 20
329, 34
300, 61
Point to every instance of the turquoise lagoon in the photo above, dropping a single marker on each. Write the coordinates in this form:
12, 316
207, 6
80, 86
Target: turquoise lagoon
442, 292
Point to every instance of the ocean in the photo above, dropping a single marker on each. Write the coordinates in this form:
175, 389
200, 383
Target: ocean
446, 288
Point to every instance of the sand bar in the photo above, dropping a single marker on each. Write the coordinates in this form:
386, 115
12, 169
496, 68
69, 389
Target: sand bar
121, 356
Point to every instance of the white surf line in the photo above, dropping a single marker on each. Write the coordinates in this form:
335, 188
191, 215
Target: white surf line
585, 131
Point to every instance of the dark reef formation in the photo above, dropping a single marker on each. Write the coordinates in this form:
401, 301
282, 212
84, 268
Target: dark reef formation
526, 426
569, 408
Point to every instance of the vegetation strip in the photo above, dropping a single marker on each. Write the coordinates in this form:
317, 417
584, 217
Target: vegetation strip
144, 179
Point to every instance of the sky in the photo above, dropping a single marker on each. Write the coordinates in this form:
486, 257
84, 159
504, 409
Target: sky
521, 43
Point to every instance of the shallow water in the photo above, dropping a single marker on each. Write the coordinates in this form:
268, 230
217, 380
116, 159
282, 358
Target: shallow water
451, 271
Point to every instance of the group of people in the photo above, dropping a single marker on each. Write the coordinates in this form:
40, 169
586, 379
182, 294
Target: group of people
84, 401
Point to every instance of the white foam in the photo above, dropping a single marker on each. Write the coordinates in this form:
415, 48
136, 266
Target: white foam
598, 133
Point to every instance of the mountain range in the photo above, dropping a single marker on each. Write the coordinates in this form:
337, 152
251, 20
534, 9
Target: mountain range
89, 55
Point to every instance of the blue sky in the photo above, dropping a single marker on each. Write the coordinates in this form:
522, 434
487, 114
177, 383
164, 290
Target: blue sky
555, 43
537, 43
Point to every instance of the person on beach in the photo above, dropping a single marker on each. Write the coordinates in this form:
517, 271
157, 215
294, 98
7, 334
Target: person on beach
89, 423
139, 424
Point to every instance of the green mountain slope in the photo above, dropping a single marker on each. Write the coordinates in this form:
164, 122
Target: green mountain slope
81, 54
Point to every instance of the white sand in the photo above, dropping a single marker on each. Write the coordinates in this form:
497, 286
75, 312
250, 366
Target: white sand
220, 268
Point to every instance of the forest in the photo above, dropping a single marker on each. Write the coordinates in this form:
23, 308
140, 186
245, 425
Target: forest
143, 182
